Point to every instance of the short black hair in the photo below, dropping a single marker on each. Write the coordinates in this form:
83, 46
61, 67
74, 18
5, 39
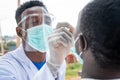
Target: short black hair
27, 5
100, 23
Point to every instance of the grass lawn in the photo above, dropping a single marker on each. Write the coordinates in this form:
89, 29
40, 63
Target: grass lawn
72, 70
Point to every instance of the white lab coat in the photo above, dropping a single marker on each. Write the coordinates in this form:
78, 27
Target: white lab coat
15, 65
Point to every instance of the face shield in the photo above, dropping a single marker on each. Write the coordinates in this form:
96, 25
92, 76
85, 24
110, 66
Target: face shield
36, 28
35, 19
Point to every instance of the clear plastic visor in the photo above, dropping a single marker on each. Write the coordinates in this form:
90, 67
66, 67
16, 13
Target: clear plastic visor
35, 19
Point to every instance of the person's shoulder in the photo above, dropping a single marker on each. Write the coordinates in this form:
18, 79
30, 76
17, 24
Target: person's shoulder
7, 58
6, 63
7, 55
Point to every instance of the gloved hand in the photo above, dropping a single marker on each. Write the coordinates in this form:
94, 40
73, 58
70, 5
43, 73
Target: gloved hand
60, 42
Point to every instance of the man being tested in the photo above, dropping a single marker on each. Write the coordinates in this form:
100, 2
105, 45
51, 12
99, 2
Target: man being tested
98, 40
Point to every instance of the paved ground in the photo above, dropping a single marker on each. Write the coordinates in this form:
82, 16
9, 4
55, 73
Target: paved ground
76, 78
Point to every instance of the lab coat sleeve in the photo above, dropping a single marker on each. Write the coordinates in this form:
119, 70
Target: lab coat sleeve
62, 71
6, 71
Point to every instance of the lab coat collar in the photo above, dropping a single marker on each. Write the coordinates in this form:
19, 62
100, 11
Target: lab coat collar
22, 58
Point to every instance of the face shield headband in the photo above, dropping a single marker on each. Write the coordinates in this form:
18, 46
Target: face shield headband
35, 19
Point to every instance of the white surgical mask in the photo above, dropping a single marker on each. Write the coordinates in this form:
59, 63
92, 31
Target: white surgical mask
37, 37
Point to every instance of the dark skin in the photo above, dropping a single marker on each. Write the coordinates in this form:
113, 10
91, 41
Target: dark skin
33, 56
91, 69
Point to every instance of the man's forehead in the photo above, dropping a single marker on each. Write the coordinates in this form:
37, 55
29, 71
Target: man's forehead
32, 10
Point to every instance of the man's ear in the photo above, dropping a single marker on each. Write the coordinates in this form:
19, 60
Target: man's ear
19, 31
83, 42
